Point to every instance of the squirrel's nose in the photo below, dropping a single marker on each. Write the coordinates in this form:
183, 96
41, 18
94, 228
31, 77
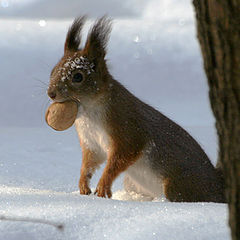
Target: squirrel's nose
52, 94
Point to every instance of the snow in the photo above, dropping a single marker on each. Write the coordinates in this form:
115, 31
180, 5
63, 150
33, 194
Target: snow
156, 55
39, 177
89, 217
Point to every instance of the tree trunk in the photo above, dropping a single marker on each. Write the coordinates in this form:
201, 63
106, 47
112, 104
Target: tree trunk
218, 28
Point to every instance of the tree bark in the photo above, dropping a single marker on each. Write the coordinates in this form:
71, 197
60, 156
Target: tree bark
218, 29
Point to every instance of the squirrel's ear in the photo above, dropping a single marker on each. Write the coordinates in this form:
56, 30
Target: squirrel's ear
73, 38
97, 38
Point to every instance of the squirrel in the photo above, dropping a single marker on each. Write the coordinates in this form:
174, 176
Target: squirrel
158, 156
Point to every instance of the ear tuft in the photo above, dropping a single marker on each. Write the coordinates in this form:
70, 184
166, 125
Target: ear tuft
98, 37
73, 38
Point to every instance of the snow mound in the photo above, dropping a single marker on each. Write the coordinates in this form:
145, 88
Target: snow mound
38, 180
90, 217
133, 196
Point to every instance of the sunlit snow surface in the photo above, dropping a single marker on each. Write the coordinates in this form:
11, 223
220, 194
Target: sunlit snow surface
39, 177
88, 217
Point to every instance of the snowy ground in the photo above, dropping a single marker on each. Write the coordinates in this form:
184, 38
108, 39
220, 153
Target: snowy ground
94, 218
157, 57
39, 177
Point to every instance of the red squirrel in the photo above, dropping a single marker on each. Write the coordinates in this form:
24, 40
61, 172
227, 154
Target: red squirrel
157, 155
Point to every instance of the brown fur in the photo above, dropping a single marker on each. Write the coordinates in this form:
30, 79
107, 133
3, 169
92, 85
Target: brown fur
118, 160
115, 125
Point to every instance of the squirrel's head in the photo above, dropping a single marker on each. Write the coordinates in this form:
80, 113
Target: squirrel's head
82, 72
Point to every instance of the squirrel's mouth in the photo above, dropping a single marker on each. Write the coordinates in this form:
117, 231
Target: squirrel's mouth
59, 97
59, 100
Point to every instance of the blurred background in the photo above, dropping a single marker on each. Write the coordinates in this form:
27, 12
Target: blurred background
153, 50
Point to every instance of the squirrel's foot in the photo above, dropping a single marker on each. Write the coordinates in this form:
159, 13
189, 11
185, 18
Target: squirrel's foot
103, 191
85, 190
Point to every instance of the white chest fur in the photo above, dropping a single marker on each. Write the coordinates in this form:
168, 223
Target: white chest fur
90, 127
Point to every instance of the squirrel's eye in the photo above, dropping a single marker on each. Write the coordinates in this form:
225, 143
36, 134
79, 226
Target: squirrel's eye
77, 77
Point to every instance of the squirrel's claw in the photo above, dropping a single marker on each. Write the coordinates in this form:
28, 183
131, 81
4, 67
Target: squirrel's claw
85, 190
103, 191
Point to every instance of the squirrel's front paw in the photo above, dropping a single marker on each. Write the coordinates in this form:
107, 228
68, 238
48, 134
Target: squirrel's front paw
103, 191
85, 190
